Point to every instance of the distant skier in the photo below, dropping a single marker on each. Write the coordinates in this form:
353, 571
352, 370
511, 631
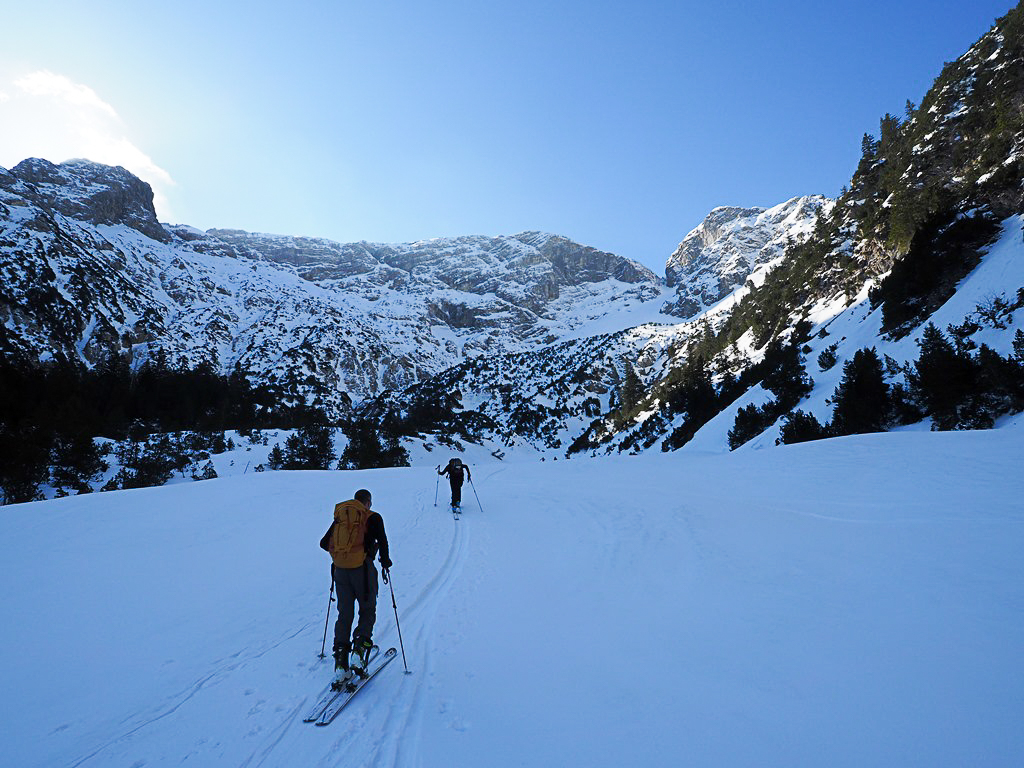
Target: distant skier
355, 538
455, 470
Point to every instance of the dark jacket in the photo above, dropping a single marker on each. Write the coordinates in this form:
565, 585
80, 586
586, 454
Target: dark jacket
377, 541
454, 472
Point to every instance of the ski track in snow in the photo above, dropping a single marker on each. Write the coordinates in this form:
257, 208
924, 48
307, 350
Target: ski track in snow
142, 721
421, 619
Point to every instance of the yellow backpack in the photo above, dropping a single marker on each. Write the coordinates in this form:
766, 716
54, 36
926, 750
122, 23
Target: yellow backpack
348, 548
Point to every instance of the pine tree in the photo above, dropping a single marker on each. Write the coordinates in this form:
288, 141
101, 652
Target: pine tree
77, 462
888, 134
311, 447
24, 463
1001, 386
631, 391
148, 465
944, 379
208, 472
275, 460
366, 450
862, 402
750, 421
827, 359
800, 427
868, 150
787, 377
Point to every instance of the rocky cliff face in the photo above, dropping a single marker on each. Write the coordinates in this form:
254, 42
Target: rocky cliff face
716, 258
86, 191
528, 270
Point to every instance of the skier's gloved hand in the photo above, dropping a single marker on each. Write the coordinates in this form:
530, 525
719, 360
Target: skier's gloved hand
385, 563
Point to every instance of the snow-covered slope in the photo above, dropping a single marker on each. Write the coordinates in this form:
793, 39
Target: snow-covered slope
845, 330
849, 602
845, 325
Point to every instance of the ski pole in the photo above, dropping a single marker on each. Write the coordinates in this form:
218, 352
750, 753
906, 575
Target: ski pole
436, 483
473, 486
327, 621
387, 578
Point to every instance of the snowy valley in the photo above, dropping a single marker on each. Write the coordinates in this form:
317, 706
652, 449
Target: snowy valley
845, 602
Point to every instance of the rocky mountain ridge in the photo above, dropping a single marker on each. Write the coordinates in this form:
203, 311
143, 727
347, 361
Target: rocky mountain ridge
90, 192
87, 271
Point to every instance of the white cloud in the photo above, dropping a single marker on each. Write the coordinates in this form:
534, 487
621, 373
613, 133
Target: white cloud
48, 115
47, 84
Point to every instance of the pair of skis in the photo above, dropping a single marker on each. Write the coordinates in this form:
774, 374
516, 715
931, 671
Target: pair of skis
457, 511
332, 702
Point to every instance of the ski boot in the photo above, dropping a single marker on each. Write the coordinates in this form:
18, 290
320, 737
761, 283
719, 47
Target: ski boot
343, 673
360, 657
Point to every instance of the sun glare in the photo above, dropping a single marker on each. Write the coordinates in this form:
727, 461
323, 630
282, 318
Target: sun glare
48, 115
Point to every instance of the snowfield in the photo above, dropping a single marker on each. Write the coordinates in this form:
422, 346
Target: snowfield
850, 602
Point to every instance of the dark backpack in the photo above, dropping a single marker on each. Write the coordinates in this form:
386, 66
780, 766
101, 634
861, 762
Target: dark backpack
325, 542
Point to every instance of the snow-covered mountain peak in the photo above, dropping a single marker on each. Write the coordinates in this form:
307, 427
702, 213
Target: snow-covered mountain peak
92, 192
718, 255
512, 251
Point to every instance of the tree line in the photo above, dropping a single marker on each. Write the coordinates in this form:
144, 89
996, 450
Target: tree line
163, 418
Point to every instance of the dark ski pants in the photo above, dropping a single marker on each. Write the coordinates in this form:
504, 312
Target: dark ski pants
456, 492
354, 585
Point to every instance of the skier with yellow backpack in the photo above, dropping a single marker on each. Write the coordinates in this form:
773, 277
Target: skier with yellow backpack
355, 537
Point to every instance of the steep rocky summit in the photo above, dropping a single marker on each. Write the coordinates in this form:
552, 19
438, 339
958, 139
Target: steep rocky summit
716, 258
89, 192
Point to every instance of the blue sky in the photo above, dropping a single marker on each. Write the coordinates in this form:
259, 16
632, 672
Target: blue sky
619, 124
